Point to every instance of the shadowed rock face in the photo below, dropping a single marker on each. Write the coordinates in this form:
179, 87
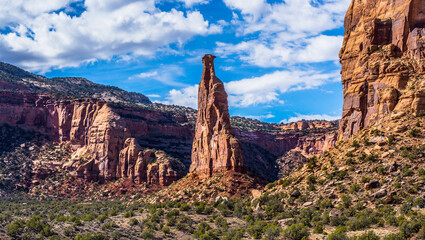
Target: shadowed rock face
382, 61
214, 148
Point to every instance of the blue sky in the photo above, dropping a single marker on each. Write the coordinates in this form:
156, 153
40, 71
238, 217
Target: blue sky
278, 59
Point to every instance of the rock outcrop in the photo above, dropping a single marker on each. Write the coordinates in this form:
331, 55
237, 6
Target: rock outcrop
102, 136
382, 61
214, 148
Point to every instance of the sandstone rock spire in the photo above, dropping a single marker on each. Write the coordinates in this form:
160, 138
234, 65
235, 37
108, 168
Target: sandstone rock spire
214, 149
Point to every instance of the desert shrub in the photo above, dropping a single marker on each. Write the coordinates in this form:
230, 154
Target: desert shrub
109, 225
113, 212
185, 207
256, 229
394, 236
221, 223
102, 218
202, 229
391, 140
326, 204
128, 214
234, 234
90, 236
338, 234
355, 144
337, 220
414, 133
369, 235
133, 222
286, 182
272, 231
354, 188
311, 179
296, 231
346, 200
409, 228
312, 162
15, 228
148, 234
318, 229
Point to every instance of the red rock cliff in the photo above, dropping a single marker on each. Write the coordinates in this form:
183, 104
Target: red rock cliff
214, 147
382, 61
102, 136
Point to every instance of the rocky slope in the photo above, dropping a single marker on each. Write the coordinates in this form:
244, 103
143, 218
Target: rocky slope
382, 61
215, 149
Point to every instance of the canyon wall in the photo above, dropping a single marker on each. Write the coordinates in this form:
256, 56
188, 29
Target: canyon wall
382, 61
103, 136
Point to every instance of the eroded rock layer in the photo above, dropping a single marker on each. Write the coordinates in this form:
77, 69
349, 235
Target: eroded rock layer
214, 146
382, 61
104, 138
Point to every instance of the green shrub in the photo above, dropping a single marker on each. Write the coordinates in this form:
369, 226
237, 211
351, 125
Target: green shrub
15, 228
102, 218
296, 231
338, 234
354, 188
355, 144
128, 214
221, 223
148, 234
185, 207
133, 222
318, 229
89, 236
369, 235
312, 162
408, 229
414, 133
202, 229
394, 236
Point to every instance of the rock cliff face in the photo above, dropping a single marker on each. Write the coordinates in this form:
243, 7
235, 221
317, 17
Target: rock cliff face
382, 61
103, 137
214, 147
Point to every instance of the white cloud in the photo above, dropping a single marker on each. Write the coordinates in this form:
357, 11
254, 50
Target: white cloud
153, 95
166, 74
41, 37
190, 3
251, 7
258, 90
267, 88
274, 54
145, 75
300, 117
261, 117
286, 32
185, 97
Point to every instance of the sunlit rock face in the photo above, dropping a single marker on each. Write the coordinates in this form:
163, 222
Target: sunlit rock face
382, 61
215, 149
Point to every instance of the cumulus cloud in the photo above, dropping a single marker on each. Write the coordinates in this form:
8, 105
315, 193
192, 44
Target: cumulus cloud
300, 117
258, 90
286, 32
190, 3
41, 35
166, 74
267, 88
274, 54
261, 117
185, 97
